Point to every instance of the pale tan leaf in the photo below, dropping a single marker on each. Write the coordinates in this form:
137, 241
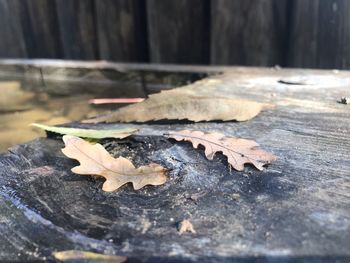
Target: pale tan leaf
179, 105
238, 151
186, 226
95, 160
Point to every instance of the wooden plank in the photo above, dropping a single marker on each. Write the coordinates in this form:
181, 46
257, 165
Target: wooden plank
40, 25
249, 32
178, 31
320, 34
77, 29
11, 34
297, 209
121, 30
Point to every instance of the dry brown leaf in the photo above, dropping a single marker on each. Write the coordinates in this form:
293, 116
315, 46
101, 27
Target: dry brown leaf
95, 160
179, 105
238, 151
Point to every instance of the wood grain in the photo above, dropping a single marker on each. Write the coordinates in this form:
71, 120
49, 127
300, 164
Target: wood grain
178, 31
40, 25
11, 33
320, 34
289, 33
76, 21
121, 27
297, 209
248, 32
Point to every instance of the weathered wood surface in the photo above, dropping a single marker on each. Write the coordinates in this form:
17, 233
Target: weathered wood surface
297, 209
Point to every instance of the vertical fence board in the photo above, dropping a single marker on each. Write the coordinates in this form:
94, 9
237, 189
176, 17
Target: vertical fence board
334, 38
320, 34
77, 29
296, 33
303, 33
121, 27
11, 34
179, 31
40, 25
249, 32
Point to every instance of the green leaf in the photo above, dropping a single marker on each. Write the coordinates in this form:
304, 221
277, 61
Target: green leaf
88, 133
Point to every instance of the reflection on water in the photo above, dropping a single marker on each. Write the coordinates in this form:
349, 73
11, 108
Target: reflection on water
19, 108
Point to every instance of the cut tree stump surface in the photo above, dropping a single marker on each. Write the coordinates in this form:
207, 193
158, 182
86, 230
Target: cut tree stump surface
296, 210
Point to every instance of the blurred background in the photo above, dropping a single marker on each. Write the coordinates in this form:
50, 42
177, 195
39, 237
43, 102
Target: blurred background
289, 33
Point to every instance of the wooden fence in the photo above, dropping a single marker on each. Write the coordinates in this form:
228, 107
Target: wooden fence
293, 33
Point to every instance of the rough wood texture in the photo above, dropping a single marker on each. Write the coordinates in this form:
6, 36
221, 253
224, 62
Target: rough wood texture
320, 34
76, 20
178, 31
121, 27
248, 32
40, 25
11, 34
297, 209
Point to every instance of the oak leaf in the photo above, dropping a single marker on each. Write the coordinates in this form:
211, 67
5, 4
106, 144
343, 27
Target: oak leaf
95, 160
238, 151
181, 104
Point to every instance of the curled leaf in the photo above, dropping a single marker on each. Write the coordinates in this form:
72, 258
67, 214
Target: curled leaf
238, 151
88, 133
95, 160
86, 256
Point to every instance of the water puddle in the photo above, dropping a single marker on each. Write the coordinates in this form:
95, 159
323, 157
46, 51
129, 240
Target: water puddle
55, 95
19, 107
